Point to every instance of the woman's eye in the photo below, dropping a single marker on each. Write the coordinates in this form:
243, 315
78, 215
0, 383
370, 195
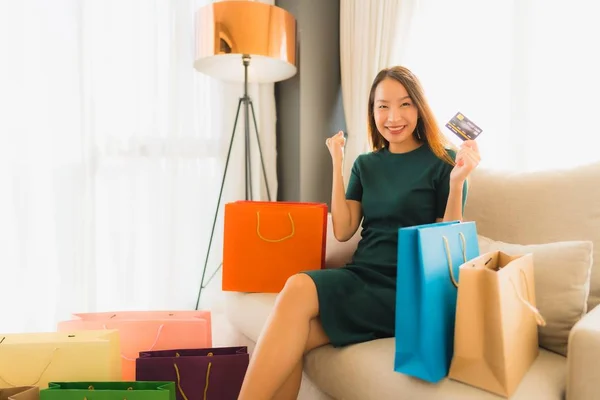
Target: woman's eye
405, 104
382, 106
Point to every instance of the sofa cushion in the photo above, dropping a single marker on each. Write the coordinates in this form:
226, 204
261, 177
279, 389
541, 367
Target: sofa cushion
366, 370
539, 207
562, 276
248, 312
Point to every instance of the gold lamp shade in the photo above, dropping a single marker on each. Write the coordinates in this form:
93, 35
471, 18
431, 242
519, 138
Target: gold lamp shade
229, 31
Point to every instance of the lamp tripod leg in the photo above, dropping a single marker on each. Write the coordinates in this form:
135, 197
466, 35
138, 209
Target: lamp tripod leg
248, 182
237, 114
262, 163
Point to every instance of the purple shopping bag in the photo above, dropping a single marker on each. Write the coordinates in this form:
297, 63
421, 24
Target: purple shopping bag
199, 374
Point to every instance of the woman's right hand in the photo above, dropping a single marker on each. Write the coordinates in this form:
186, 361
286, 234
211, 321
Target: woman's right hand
336, 144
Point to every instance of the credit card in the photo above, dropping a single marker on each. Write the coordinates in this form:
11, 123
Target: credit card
463, 127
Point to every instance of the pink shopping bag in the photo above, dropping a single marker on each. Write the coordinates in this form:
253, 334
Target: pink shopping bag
147, 331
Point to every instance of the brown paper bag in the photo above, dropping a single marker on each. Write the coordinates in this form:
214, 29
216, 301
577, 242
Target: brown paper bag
20, 393
496, 335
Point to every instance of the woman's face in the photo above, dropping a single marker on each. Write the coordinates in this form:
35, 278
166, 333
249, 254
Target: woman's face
395, 115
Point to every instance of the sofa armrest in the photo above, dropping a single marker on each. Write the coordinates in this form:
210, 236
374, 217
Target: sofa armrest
583, 374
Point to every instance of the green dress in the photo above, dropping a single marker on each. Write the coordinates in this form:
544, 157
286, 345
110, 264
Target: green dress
357, 302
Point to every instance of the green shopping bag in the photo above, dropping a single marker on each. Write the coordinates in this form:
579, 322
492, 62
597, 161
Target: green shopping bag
152, 390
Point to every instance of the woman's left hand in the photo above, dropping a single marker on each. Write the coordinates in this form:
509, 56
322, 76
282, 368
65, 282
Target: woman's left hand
467, 159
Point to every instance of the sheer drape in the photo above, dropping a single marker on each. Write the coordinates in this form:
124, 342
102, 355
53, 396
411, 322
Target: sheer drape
368, 35
111, 155
523, 71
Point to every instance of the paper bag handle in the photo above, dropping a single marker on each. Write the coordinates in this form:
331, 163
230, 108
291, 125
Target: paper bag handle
91, 387
449, 257
39, 377
539, 319
179, 379
274, 240
160, 328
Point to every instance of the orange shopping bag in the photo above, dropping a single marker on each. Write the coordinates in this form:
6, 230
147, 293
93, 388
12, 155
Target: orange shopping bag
267, 242
146, 331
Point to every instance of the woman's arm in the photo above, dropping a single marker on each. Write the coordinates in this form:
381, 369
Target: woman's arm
454, 206
467, 159
345, 214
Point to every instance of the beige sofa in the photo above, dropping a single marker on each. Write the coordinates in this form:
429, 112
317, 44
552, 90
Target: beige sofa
513, 212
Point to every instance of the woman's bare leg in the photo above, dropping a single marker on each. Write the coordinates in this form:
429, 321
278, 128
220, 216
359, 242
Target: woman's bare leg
291, 387
316, 338
281, 345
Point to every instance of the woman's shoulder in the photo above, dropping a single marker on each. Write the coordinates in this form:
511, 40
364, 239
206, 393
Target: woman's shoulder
444, 154
368, 157
451, 152
444, 167
439, 162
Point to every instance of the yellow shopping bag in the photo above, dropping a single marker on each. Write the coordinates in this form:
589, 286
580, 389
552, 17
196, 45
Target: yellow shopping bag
34, 359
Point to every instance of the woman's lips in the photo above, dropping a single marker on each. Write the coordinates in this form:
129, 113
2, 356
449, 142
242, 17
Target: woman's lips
395, 130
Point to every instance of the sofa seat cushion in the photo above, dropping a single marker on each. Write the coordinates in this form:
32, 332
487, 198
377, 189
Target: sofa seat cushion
248, 312
366, 370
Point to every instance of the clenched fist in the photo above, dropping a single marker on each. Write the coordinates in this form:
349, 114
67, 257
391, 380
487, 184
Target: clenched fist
336, 144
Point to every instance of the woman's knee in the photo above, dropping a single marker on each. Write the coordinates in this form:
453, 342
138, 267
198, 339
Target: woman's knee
299, 293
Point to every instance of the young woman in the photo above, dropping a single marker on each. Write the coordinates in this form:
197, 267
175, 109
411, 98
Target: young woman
411, 177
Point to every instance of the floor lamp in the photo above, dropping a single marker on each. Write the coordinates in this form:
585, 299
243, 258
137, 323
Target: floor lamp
243, 41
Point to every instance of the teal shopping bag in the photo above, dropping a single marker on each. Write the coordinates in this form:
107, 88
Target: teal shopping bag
429, 257
124, 390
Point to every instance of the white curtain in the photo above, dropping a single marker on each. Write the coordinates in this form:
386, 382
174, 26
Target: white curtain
112, 149
369, 36
525, 71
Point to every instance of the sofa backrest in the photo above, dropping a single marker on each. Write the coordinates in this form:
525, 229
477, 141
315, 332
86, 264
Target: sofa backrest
539, 207
524, 208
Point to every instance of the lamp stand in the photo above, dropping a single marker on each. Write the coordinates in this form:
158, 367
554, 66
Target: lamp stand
246, 101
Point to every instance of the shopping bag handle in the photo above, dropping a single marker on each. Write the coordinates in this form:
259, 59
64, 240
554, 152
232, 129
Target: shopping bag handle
160, 328
274, 240
91, 388
539, 319
39, 377
179, 378
448, 256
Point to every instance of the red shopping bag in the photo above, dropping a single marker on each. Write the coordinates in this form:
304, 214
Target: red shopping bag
146, 330
267, 242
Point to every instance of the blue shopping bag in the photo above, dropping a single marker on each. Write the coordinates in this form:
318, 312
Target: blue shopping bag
429, 257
